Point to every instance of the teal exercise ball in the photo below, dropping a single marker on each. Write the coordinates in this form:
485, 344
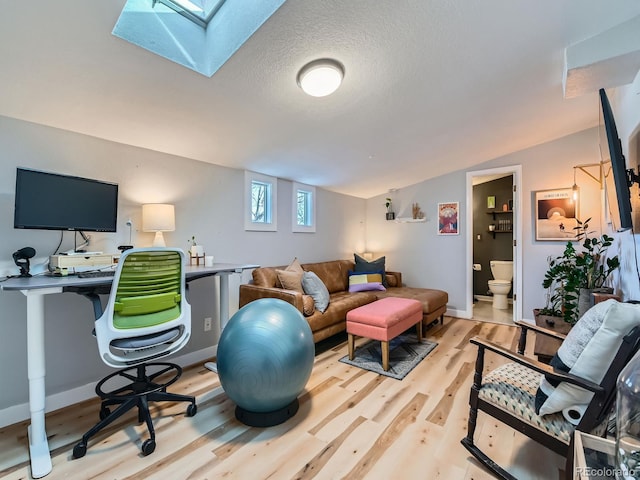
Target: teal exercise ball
265, 357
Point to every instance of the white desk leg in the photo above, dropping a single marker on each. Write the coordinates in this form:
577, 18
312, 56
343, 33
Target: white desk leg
224, 300
38, 445
224, 312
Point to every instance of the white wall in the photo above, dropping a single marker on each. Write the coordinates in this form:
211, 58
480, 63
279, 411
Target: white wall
428, 260
625, 102
209, 205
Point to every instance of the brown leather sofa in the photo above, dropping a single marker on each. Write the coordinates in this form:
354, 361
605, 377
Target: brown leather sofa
334, 274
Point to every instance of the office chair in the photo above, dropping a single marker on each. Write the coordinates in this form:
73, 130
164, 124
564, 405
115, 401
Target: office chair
147, 317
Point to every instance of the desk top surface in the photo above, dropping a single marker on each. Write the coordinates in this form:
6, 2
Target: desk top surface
36, 282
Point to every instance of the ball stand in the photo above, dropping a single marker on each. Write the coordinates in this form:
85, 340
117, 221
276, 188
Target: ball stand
267, 419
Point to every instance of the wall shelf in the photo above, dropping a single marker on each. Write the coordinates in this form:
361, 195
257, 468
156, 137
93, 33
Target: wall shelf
498, 212
410, 220
499, 231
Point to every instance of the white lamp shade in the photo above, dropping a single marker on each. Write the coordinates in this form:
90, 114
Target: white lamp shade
321, 77
158, 217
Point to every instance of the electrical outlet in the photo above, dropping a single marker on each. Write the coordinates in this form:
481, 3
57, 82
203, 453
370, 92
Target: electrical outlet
207, 324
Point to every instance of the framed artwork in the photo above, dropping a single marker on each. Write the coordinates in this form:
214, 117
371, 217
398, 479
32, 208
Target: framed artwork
448, 218
491, 201
556, 213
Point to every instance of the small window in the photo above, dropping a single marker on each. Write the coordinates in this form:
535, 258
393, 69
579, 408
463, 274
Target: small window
261, 193
304, 208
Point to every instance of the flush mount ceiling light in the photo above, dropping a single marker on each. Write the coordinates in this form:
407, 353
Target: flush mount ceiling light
321, 77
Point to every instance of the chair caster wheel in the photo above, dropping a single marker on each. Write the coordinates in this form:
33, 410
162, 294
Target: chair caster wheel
79, 450
148, 447
192, 409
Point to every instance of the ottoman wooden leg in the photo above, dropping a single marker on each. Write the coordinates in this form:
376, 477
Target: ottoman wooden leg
385, 355
351, 341
419, 330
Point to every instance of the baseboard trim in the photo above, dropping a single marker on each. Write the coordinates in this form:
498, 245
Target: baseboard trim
458, 313
18, 413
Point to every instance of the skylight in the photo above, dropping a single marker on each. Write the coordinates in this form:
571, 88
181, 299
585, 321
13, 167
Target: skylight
199, 12
198, 34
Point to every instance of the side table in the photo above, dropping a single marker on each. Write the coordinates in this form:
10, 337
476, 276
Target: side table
546, 347
593, 457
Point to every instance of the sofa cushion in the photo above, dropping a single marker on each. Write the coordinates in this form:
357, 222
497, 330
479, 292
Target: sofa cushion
362, 265
362, 282
290, 280
431, 299
266, 277
313, 286
333, 273
340, 303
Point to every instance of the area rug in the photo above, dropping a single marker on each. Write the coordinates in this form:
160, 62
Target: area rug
405, 352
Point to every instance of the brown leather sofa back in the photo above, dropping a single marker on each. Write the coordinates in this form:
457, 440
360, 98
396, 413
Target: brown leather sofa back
334, 273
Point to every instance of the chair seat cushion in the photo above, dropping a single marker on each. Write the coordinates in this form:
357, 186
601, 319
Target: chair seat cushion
512, 387
146, 341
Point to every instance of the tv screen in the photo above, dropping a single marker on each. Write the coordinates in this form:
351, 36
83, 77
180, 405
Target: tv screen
51, 201
617, 181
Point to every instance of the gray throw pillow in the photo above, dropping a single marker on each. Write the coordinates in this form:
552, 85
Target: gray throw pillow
312, 285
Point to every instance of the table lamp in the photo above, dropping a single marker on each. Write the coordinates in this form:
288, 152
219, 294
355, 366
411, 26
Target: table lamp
158, 217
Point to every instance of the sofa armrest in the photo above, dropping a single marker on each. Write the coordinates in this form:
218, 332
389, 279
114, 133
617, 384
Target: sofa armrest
249, 293
397, 275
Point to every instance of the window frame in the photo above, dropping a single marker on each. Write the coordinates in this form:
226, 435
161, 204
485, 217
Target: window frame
311, 191
271, 203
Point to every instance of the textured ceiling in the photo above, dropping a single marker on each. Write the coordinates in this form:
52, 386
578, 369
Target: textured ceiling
431, 86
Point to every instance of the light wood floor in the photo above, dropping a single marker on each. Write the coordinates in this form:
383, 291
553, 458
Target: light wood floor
351, 424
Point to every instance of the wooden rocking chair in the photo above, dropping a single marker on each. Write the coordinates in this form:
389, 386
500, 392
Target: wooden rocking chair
512, 402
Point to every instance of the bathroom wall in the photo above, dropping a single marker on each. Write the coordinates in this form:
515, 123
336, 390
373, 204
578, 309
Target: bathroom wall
489, 246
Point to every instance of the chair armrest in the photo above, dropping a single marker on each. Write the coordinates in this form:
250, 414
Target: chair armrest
525, 327
397, 275
535, 365
249, 293
542, 330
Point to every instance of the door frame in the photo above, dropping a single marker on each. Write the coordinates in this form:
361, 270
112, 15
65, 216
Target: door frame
516, 171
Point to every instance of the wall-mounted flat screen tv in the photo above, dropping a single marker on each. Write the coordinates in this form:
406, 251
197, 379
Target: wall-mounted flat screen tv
52, 201
618, 181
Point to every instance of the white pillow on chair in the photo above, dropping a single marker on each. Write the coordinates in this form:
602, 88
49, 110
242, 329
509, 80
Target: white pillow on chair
587, 352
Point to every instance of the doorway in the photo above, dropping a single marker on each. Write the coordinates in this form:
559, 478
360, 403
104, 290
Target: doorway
498, 222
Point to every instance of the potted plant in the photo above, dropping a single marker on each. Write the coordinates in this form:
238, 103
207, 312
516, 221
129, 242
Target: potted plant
573, 276
390, 214
195, 250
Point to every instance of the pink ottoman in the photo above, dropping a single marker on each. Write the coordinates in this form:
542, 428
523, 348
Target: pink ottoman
383, 320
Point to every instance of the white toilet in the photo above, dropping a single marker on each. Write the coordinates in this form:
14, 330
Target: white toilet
500, 286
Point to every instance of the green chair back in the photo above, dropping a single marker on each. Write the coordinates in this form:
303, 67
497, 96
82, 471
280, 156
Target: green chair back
148, 289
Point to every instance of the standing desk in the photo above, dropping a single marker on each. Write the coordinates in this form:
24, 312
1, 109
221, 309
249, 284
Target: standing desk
35, 289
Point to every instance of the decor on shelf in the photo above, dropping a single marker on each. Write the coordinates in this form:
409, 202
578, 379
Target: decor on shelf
556, 214
448, 218
573, 276
390, 214
416, 212
195, 251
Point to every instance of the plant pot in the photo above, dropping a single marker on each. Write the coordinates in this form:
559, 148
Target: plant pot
197, 251
586, 300
546, 319
391, 216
